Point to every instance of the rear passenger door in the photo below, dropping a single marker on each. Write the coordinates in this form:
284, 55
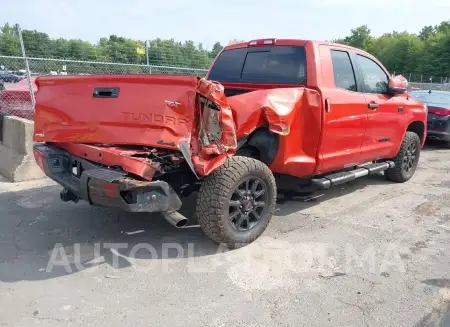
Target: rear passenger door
385, 128
345, 114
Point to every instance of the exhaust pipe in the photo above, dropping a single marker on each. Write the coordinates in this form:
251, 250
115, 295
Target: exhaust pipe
175, 218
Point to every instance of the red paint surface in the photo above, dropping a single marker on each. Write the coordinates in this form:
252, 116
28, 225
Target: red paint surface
162, 111
149, 109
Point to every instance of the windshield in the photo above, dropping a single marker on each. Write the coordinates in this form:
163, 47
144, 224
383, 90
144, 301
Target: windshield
267, 65
433, 99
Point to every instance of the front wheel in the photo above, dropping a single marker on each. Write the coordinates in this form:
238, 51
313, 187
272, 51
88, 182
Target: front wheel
236, 202
406, 160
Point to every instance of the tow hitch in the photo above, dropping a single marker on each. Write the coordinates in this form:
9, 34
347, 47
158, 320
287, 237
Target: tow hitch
67, 196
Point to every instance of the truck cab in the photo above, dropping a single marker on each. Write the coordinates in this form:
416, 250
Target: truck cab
360, 118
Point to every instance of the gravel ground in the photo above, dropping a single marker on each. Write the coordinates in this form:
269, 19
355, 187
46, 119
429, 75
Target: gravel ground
368, 253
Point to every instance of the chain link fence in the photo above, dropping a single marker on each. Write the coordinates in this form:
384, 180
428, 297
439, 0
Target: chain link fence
427, 82
15, 96
115, 55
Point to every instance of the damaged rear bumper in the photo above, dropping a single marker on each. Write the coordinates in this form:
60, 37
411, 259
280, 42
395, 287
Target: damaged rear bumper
102, 186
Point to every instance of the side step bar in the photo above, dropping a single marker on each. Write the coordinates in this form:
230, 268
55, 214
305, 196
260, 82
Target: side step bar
327, 181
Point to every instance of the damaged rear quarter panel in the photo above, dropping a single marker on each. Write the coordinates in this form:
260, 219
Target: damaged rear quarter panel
209, 152
293, 113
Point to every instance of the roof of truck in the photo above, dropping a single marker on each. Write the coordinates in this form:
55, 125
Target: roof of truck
293, 42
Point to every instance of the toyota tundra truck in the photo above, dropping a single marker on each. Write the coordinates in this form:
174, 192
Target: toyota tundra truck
270, 114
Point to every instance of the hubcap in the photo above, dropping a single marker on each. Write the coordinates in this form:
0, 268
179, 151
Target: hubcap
247, 204
409, 159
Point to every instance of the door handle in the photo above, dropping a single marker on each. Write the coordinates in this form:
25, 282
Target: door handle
373, 105
106, 92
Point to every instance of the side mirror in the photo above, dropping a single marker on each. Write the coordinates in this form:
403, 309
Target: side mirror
397, 85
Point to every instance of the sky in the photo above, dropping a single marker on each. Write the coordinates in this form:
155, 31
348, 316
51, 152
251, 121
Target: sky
209, 21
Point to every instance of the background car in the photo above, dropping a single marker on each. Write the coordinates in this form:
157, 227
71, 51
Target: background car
15, 99
438, 120
8, 77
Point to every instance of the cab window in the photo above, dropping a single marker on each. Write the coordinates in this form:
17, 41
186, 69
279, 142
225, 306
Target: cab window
344, 76
375, 79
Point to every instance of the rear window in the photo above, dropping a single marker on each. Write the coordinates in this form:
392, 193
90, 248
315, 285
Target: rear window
267, 65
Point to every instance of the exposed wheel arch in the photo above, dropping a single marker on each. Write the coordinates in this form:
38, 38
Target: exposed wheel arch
417, 127
261, 144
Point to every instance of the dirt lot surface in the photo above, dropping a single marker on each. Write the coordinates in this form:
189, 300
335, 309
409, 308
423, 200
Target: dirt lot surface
369, 253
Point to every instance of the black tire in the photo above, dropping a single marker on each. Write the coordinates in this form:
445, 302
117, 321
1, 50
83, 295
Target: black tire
229, 203
406, 160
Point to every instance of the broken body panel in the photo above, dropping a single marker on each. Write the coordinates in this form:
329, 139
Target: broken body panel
127, 121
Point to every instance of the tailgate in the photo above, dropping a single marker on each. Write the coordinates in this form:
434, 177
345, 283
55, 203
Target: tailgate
153, 110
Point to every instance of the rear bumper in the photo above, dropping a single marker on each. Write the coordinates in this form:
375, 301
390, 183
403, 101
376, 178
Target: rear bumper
437, 135
104, 186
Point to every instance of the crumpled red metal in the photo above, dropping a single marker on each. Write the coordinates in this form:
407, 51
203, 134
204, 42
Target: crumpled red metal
241, 114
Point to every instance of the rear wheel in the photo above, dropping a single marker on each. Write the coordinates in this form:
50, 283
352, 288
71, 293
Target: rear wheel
236, 202
406, 160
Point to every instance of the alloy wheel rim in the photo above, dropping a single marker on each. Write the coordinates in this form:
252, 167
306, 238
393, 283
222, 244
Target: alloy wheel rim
409, 159
247, 204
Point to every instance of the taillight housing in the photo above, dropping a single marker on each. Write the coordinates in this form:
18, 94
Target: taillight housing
439, 112
262, 42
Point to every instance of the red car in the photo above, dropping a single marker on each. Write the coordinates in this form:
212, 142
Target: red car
15, 99
286, 114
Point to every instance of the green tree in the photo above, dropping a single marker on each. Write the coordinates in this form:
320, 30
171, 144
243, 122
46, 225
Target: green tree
427, 52
9, 41
426, 32
217, 47
359, 38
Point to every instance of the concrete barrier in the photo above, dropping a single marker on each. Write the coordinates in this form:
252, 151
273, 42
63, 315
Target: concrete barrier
16, 150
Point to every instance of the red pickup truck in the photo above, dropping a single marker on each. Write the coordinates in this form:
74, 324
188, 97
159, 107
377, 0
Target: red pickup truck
286, 114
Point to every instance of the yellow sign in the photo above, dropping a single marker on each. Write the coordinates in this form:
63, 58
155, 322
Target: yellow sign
140, 51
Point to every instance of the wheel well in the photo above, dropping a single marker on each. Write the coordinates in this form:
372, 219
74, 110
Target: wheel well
261, 145
417, 127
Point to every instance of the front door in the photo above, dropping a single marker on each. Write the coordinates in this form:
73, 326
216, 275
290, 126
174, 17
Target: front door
384, 127
345, 112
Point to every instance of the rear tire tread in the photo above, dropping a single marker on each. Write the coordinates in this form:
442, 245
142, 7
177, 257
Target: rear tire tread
213, 197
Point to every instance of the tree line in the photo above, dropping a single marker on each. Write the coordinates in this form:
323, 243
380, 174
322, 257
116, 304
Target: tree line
114, 49
427, 52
